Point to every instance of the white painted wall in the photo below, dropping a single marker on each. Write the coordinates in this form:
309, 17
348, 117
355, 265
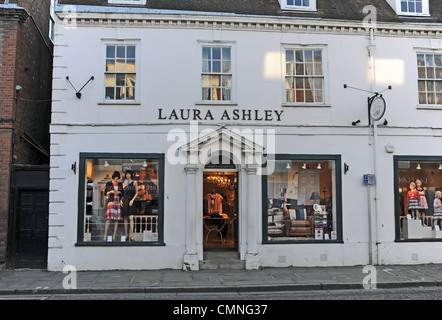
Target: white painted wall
169, 78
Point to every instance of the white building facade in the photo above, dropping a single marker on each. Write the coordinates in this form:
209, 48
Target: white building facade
248, 133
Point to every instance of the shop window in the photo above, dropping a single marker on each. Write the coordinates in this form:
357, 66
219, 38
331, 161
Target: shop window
304, 76
430, 78
120, 74
303, 200
121, 199
418, 198
216, 75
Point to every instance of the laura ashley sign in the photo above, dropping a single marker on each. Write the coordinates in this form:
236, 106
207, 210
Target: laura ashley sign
225, 115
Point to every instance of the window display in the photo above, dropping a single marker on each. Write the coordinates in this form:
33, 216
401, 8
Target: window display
122, 200
419, 184
303, 200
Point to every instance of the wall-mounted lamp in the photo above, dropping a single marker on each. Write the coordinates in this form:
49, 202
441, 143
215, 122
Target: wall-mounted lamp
418, 166
354, 123
346, 168
74, 167
319, 166
106, 164
145, 164
304, 166
440, 166
288, 166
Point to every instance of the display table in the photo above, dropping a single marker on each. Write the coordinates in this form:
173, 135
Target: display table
218, 226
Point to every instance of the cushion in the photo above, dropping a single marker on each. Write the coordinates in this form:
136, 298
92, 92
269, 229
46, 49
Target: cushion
298, 213
277, 203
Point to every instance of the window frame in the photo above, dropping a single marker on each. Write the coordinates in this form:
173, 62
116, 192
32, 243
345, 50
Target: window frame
425, 9
286, 6
126, 43
397, 214
138, 2
82, 194
339, 213
233, 93
426, 79
325, 77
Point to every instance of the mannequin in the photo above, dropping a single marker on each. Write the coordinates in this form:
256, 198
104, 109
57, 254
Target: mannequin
113, 190
437, 215
423, 200
413, 199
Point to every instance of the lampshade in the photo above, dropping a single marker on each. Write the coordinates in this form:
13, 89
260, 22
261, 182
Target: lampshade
315, 196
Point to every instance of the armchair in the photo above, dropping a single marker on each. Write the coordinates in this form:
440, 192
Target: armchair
297, 223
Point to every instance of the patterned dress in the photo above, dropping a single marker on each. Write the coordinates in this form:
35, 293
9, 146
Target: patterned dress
113, 210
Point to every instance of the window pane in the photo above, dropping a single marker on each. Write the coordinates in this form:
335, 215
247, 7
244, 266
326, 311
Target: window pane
207, 53
110, 65
121, 79
226, 53
120, 93
206, 82
289, 55
110, 80
217, 66
130, 66
110, 52
216, 53
130, 80
226, 67
108, 191
131, 52
301, 201
121, 66
110, 93
121, 52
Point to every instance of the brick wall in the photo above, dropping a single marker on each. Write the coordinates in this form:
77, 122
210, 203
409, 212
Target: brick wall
25, 60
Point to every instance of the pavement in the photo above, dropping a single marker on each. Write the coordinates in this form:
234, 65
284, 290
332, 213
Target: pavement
25, 281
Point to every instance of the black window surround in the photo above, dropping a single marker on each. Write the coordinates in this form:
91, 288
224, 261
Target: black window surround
81, 198
397, 213
338, 177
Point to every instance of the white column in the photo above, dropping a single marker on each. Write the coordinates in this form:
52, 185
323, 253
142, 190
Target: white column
190, 261
253, 258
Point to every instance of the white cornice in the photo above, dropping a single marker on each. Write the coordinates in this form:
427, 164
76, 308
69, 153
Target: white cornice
251, 23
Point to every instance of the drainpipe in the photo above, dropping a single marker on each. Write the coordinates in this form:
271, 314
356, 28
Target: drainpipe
374, 257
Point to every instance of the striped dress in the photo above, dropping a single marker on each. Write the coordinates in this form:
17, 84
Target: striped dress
437, 215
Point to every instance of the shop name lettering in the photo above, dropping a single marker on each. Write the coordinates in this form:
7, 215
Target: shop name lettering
227, 115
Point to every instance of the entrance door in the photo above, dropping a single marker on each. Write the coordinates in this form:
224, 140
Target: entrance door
220, 210
32, 229
28, 227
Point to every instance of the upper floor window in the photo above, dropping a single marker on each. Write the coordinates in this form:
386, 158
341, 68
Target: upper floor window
127, 1
309, 5
304, 76
216, 76
120, 74
430, 78
410, 7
